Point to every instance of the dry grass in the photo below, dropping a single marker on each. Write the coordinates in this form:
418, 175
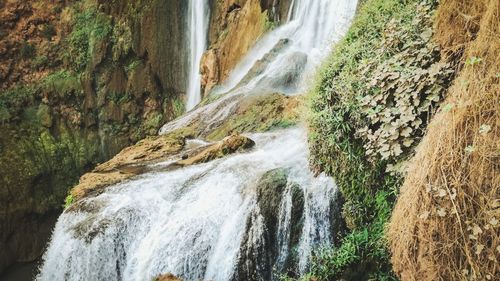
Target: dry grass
445, 225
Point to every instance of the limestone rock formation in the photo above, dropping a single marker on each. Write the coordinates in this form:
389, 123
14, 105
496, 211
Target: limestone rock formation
234, 28
134, 160
261, 243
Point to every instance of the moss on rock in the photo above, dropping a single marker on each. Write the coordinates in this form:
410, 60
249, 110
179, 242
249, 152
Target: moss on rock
259, 114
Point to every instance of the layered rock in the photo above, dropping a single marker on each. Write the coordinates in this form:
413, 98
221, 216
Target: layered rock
227, 146
167, 277
235, 26
261, 243
135, 160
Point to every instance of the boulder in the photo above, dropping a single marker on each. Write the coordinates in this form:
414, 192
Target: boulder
259, 250
167, 277
130, 162
220, 149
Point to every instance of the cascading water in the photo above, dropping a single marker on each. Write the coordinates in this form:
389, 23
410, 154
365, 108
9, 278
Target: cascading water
189, 222
198, 18
309, 33
208, 221
312, 27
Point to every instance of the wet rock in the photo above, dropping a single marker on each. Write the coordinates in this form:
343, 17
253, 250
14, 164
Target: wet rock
287, 78
209, 71
130, 162
261, 65
233, 31
227, 146
256, 113
296, 224
259, 250
167, 277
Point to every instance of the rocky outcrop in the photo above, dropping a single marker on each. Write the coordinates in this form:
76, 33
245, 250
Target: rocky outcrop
78, 82
234, 28
227, 146
258, 257
167, 277
134, 160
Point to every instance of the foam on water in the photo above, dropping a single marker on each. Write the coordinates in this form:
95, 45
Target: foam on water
188, 222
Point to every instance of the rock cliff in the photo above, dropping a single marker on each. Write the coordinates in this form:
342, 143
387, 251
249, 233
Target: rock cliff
81, 80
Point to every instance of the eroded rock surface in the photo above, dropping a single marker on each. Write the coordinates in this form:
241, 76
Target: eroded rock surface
258, 257
134, 160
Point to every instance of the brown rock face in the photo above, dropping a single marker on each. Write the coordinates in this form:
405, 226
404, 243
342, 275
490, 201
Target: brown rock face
30, 33
209, 70
235, 26
227, 146
167, 277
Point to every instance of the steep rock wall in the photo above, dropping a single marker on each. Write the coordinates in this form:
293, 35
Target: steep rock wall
79, 80
235, 26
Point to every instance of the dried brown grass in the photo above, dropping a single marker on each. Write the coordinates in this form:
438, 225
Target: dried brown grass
445, 225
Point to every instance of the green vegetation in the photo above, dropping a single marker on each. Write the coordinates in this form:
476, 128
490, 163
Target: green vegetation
48, 31
260, 114
132, 66
62, 82
90, 26
269, 24
27, 50
119, 98
179, 107
38, 167
367, 112
14, 100
40, 61
68, 201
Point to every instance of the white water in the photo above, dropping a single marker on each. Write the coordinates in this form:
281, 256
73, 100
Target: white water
198, 13
312, 28
188, 222
191, 221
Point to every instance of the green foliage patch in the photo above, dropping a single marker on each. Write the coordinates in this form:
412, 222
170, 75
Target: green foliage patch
27, 50
38, 166
89, 27
63, 83
367, 111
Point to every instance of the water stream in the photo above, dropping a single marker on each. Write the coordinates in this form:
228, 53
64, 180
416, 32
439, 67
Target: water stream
198, 18
207, 221
189, 222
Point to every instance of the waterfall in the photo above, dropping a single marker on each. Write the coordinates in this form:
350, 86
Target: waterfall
312, 27
189, 222
208, 221
198, 18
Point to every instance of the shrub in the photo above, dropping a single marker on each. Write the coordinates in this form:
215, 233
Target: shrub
48, 31
68, 201
39, 62
15, 100
63, 83
27, 50
89, 27
4, 114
